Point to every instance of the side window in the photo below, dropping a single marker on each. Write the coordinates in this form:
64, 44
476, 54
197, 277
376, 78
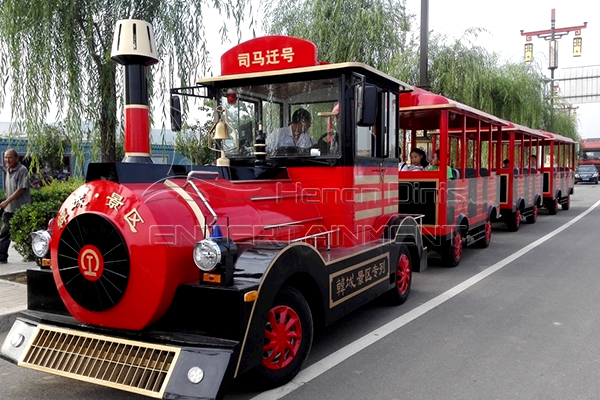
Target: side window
364, 141
392, 106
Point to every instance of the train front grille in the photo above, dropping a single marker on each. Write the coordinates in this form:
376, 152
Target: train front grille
133, 366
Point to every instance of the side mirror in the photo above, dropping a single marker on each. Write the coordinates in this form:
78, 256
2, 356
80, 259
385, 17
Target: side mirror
366, 110
175, 114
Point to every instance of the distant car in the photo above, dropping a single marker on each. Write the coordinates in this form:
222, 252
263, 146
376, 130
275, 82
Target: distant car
586, 174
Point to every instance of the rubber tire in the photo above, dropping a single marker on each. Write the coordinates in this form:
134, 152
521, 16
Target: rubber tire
532, 218
513, 221
450, 256
396, 296
552, 206
266, 378
486, 239
565, 206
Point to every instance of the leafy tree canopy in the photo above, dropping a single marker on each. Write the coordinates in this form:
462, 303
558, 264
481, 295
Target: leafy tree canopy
58, 53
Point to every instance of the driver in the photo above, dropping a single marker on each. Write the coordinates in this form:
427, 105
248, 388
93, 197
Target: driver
295, 134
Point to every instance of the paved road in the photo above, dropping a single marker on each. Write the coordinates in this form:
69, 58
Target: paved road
527, 331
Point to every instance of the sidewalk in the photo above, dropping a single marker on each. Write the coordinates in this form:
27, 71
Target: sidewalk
13, 295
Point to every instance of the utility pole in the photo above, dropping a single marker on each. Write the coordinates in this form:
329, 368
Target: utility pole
552, 35
423, 54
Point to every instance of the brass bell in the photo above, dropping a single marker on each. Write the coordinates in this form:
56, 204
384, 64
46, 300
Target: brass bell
221, 131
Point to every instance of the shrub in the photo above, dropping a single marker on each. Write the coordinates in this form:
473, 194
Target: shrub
45, 203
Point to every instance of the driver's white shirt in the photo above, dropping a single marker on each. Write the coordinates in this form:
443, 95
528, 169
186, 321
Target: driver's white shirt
283, 137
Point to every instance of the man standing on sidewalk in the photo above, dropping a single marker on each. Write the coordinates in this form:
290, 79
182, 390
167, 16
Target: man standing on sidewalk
16, 185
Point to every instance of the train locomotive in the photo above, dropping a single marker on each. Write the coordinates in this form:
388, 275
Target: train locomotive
170, 281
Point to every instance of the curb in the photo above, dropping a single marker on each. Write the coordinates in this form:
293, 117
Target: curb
7, 320
9, 314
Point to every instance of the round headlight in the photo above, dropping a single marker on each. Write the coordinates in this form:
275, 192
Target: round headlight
40, 242
207, 254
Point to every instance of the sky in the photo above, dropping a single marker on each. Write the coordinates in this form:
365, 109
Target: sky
503, 22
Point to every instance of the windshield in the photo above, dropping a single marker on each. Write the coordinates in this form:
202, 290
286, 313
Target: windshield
590, 155
586, 168
297, 118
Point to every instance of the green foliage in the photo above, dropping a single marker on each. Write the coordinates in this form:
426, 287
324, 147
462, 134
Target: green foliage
369, 31
58, 52
48, 146
192, 143
45, 203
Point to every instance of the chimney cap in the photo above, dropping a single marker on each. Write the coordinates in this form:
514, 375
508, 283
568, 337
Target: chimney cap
133, 43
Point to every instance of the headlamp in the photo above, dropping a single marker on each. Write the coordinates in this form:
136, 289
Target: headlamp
207, 255
40, 243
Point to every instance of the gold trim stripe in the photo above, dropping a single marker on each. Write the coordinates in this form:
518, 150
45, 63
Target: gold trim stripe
369, 213
367, 179
190, 202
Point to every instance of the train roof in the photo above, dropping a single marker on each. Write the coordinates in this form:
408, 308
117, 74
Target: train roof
511, 126
420, 103
557, 137
271, 56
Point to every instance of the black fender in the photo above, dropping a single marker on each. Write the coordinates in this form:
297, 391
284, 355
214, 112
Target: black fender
492, 213
520, 204
462, 223
293, 263
407, 231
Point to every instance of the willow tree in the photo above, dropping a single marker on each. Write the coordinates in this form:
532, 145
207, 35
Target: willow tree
56, 54
514, 91
369, 31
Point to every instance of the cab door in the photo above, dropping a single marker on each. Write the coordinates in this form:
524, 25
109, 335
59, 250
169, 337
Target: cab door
376, 167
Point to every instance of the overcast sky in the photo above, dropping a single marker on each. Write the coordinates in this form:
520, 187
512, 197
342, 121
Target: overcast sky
503, 21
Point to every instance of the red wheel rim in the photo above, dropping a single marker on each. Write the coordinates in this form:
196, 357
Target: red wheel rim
518, 218
457, 245
535, 212
283, 335
556, 204
488, 231
568, 201
403, 279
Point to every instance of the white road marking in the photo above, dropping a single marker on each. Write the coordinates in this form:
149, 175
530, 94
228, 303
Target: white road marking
348, 351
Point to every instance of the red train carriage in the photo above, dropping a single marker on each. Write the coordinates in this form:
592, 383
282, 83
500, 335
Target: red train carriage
457, 210
521, 178
558, 170
169, 281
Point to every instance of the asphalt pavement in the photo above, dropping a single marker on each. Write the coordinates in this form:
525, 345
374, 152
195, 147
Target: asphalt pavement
13, 294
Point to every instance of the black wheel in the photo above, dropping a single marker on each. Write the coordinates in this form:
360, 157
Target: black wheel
552, 206
287, 341
567, 204
531, 218
452, 250
486, 235
596, 181
513, 221
399, 293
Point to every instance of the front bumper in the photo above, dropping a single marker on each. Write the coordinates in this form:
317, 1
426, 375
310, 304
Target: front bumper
151, 364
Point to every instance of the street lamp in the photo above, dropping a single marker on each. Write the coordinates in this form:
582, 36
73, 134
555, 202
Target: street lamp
552, 35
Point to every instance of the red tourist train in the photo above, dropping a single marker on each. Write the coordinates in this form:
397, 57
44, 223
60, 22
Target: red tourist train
459, 200
170, 281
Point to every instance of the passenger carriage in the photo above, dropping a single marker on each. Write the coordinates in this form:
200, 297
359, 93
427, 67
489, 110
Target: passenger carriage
521, 177
456, 211
558, 169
